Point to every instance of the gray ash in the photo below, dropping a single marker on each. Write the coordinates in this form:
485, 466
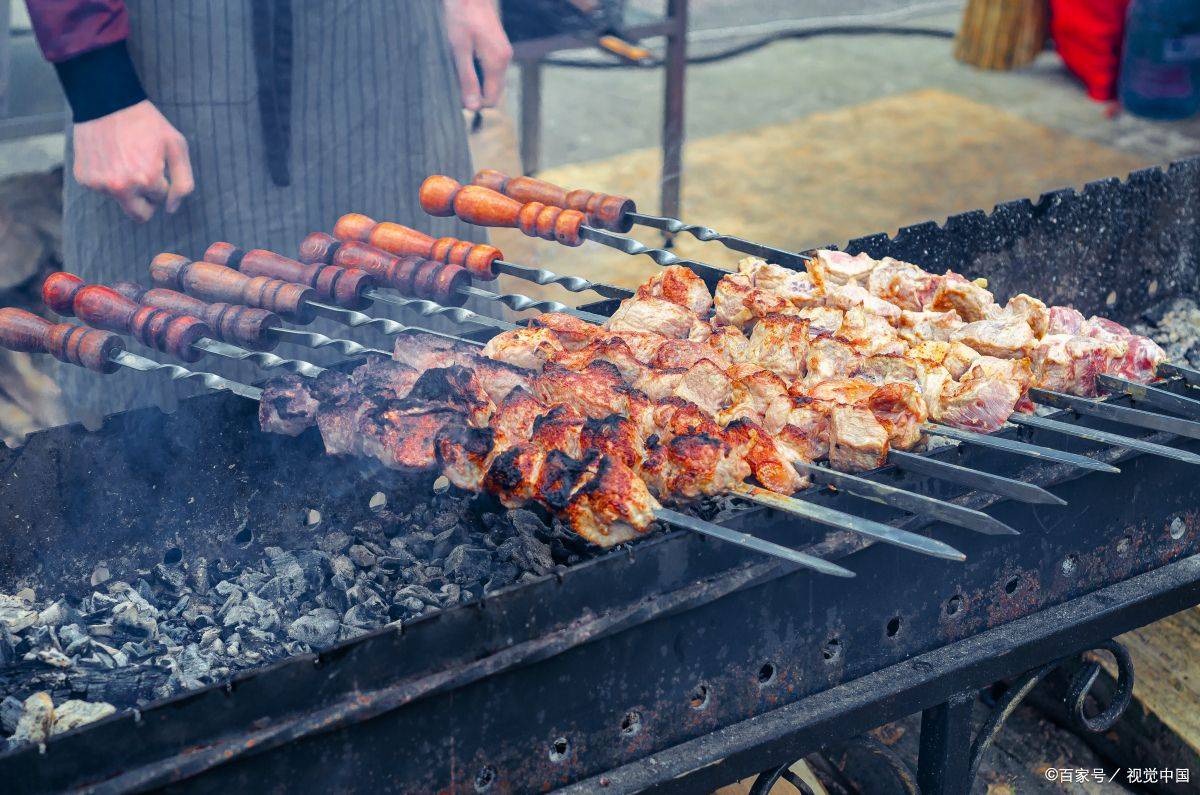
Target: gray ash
153, 633
1175, 325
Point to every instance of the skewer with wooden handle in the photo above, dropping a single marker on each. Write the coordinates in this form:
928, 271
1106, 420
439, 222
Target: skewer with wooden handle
619, 214
263, 332
401, 241
277, 266
68, 295
444, 196
403, 273
212, 282
97, 350
345, 287
103, 308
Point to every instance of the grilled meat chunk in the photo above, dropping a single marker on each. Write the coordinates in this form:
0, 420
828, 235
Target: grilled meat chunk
829, 357
1005, 337
398, 439
289, 403
780, 343
524, 347
832, 268
1070, 363
731, 343
954, 356
685, 353
857, 440
690, 466
737, 302
771, 463
798, 288
660, 317
806, 429
706, 385
903, 284
822, 319
917, 327
757, 394
901, 410
454, 388
851, 296
572, 332
680, 286
1035, 313
1065, 320
464, 454
612, 504
971, 301
612, 349
423, 351
980, 404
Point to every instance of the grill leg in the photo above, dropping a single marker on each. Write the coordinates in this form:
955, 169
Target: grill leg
673, 95
531, 116
944, 765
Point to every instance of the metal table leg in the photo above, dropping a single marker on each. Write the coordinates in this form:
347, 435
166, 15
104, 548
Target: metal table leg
944, 764
531, 116
673, 96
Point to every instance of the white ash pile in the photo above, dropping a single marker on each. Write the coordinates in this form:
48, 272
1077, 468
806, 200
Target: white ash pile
1175, 325
149, 634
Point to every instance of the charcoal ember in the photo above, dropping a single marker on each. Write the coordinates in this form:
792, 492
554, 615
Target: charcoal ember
335, 542
11, 710
527, 552
420, 543
252, 611
449, 594
198, 575
16, 614
193, 664
8, 647
418, 592
136, 619
74, 639
411, 604
317, 628
503, 576
100, 575
52, 657
366, 614
170, 578
74, 713
361, 556
37, 717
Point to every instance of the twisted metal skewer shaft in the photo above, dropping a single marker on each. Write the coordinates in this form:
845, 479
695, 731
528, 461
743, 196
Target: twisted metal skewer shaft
355, 319
660, 255
316, 341
707, 234
267, 361
574, 284
177, 373
520, 303
430, 309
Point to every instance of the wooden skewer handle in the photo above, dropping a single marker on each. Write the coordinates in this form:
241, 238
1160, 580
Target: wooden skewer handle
104, 308
477, 258
443, 196
410, 275
342, 286
246, 326
601, 209
78, 345
212, 282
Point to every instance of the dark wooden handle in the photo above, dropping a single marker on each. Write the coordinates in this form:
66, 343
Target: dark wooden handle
104, 308
443, 196
601, 209
477, 258
246, 326
395, 272
213, 282
338, 285
79, 345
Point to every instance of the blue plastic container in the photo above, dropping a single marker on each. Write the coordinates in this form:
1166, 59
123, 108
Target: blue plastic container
1160, 63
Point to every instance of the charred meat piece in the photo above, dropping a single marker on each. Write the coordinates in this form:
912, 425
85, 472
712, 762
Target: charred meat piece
857, 441
559, 429
612, 504
402, 440
597, 391
464, 454
383, 377
454, 388
421, 350
515, 416
678, 417
614, 436
289, 404
687, 467
771, 463
681, 286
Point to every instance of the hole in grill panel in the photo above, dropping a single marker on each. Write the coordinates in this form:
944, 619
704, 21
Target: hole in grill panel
698, 700
832, 649
244, 537
1010, 587
485, 778
559, 749
173, 556
631, 724
378, 501
954, 604
1177, 528
766, 674
893, 627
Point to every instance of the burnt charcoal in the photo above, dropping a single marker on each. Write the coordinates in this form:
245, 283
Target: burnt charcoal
449, 594
417, 591
361, 556
8, 647
412, 604
527, 552
134, 619
73, 637
170, 578
16, 614
74, 713
10, 712
336, 542
368, 614
316, 629
198, 575
502, 576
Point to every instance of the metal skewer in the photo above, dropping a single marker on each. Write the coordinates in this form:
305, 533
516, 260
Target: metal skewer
974, 478
844, 521
1020, 448
619, 213
907, 500
1104, 437
1189, 375
1152, 396
1123, 414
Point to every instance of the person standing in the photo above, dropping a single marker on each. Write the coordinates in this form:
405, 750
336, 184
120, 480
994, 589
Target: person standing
255, 122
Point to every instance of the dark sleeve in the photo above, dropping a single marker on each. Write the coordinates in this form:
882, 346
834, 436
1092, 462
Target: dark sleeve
85, 40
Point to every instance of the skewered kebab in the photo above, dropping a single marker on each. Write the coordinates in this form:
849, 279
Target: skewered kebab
619, 214
103, 351
403, 274
483, 261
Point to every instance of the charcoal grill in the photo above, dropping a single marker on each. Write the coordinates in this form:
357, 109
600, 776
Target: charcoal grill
678, 663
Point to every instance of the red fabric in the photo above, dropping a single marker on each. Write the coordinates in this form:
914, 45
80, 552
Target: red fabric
1088, 35
66, 28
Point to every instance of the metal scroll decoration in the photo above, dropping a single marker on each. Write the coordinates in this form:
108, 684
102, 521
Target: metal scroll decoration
1081, 684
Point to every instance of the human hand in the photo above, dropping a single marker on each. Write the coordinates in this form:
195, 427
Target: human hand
135, 156
474, 30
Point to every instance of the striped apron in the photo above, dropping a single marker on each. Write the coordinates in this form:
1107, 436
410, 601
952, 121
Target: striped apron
295, 112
